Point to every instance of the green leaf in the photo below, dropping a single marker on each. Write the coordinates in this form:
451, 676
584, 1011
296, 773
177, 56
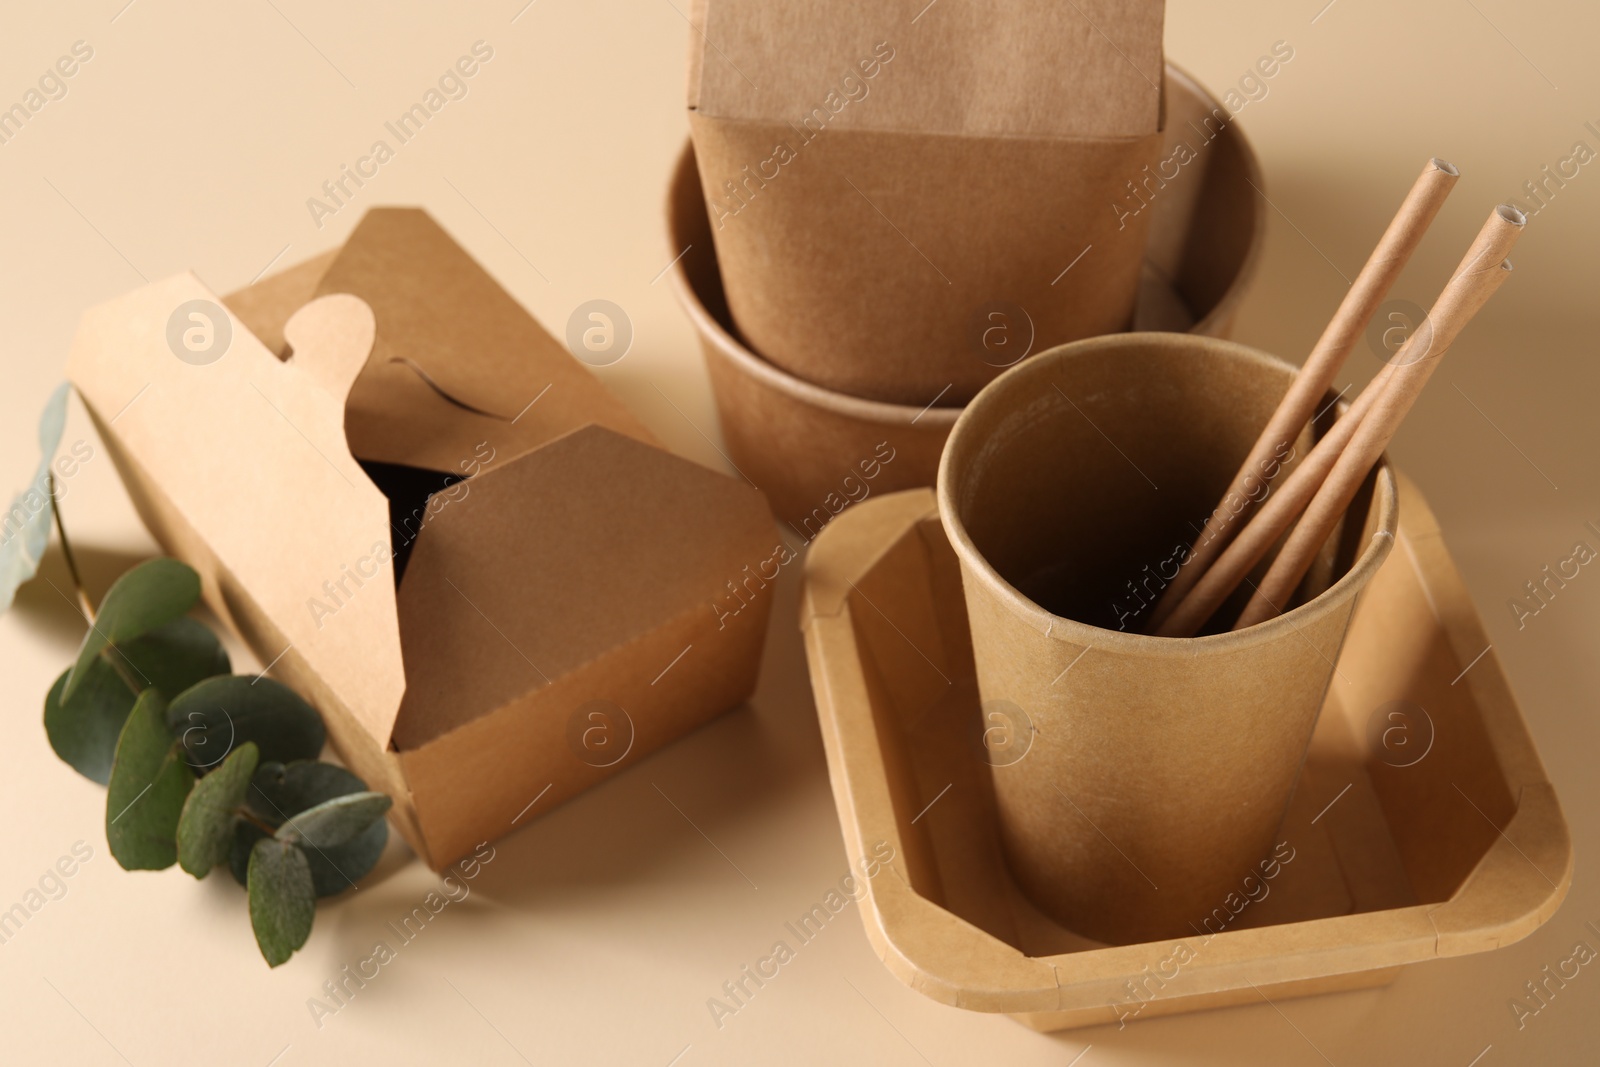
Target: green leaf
282, 902
338, 868
333, 870
245, 836
334, 822
173, 657
278, 790
84, 730
216, 715
26, 524
143, 599
205, 829
149, 782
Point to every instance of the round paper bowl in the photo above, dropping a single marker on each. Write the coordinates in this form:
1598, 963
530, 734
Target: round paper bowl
814, 451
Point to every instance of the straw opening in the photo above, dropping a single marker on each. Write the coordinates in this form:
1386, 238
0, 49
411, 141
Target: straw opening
1447, 167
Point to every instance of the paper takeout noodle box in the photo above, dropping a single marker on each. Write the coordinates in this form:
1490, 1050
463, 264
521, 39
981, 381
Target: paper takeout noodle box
427, 517
1423, 824
877, 184
805, 445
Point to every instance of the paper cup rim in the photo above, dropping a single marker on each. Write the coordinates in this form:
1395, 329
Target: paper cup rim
1385, 499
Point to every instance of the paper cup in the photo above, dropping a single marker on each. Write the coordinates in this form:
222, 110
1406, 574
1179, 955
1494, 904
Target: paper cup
1157, 770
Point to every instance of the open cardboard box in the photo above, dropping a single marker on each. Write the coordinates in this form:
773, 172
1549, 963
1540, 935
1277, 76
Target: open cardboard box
491, 581
1423, 824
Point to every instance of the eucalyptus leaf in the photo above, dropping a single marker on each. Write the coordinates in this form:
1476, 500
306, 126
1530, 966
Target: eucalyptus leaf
84, 730
339, 867
334, 822
333, 870
216, 715
149, 783
279, 790
205, 829
25, 527
172, 657
245, 836
282, 900
146, 597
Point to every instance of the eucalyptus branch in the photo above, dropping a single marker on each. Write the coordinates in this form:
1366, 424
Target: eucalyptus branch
110, 654
84, 602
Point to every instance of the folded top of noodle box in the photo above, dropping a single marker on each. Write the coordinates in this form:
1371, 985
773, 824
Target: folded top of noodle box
888, 183
433, 522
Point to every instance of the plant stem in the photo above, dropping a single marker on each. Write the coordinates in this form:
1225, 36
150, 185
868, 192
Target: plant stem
110, 653
119, 663
254, 820
84, 603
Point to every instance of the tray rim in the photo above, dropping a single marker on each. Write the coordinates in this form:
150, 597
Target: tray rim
1505, 897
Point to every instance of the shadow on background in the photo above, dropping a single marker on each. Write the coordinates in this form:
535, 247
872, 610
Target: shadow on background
48, 602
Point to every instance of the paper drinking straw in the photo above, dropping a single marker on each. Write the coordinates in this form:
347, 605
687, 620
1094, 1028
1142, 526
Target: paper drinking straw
1481, 274
1393, 250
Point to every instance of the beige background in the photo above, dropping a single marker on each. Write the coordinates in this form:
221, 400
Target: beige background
192, 140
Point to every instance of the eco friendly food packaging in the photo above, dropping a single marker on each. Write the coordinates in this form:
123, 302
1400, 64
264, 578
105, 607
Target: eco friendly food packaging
421, 512
811, 448
1160, 769
880, 181
1423, 824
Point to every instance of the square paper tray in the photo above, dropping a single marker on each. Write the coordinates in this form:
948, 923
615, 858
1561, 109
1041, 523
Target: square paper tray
1423, 825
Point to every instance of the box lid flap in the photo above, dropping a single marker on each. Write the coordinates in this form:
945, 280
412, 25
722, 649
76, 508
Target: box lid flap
233, 424
497, 606
455, 352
